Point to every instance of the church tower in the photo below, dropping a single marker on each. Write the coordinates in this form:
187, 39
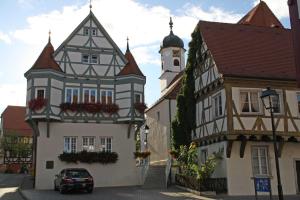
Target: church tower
172, 58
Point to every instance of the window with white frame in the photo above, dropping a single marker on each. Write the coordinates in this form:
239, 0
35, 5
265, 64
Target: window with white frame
94, 31
86, 31
217, 105
298, 102
40, 93
249, 101
260, 161
70, 144
85, 58
89, 95
88, 143
204, 155
72, 95
94, 59
106, 144
137, 98
106, 96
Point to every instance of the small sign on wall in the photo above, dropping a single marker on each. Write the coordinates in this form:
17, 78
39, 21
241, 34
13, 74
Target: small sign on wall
262, 185
49, 164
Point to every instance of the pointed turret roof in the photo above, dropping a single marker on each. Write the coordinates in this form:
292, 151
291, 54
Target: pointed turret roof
46, 60
261, 15
131, 67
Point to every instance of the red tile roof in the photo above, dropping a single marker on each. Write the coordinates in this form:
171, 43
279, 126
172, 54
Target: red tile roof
131, 67
14, 121
46, 60
261, 15
250, 51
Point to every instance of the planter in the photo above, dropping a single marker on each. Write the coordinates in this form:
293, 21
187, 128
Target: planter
37, 104
141, 107
89, 157
142, 155
89, 107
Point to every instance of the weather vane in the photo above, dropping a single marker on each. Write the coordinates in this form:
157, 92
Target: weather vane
90, 4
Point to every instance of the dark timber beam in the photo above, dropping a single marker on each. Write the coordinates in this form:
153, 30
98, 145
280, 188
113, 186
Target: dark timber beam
229, 148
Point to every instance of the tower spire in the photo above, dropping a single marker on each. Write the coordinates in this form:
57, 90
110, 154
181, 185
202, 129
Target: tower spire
171, 25
127, 50
49, 39
91, 5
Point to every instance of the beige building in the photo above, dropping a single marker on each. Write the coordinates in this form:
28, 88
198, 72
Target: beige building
160, 115
240, 61
85, 96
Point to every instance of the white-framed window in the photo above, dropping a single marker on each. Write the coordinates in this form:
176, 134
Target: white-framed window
204, 155
260, 162
106, 144
249, 101
89, 95
94, 31
94, 59
40, 93
70, 144
86, 31
106, 96
85, 58
298, 102
138, 98
88, 143
217, 105
72, 95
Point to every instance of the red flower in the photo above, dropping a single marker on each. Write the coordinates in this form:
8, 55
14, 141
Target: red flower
141, 107
37, 104
110, 108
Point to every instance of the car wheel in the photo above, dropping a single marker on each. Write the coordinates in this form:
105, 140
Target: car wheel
89, 190
61, 190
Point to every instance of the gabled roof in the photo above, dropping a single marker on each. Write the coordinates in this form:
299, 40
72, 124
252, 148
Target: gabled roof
250, 51
131, 67
101, 28
46, 60
14, 121
261, 15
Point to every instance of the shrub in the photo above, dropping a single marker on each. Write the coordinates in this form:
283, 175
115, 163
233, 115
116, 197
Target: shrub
89, 157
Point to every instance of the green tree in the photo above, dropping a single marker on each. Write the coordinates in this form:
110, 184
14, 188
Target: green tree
184, 122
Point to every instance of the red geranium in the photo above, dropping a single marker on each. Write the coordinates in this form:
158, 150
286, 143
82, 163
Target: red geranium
141, 107
110, 108
37, 104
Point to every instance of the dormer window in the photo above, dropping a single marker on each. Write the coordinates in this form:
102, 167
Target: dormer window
85, 58
94, 32
94, 59
89, 58
86, 31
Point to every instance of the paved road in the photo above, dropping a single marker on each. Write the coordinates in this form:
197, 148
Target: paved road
9, 184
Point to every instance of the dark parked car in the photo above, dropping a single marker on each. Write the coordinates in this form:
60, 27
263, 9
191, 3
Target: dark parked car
73, 179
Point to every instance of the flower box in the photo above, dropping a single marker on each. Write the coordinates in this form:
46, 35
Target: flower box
101, 157
110, 108
37, 104
143, 155
141, 107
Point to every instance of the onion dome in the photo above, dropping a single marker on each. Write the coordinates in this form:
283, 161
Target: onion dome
172, 40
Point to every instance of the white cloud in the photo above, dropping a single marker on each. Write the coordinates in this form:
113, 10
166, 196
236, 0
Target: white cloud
12, 94
279, 7
5, 38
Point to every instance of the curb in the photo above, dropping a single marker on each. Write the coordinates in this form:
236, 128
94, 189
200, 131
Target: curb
22, 194
207, 193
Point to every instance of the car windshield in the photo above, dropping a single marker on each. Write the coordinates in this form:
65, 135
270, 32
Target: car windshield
77, 174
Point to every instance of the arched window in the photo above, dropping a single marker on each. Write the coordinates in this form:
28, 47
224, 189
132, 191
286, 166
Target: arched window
176, 62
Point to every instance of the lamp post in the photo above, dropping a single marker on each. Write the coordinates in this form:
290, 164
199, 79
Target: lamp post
270, 99
146, 134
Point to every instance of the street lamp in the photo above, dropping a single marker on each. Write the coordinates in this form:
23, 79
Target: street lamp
146, 134
270, 99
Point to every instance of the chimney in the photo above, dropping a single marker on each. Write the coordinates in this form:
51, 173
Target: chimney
294, 8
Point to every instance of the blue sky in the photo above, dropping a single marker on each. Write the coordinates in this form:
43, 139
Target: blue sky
24, 27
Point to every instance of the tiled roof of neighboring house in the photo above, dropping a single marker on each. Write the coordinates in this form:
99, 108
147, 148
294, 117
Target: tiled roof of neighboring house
261, 15
250, 51
14, 121
131, 67
46, 60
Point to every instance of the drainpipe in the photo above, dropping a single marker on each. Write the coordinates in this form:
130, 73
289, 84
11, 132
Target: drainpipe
294, 9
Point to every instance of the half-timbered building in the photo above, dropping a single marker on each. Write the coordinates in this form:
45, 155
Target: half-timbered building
239, 62
85, 96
